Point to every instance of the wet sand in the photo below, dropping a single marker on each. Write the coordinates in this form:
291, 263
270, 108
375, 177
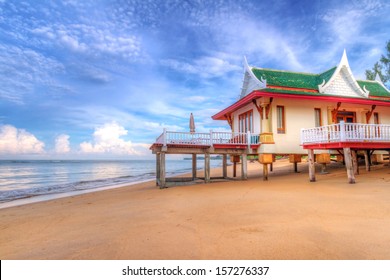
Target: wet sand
286, 217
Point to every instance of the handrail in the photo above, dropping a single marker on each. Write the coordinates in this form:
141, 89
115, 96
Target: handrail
207, 139
346, 132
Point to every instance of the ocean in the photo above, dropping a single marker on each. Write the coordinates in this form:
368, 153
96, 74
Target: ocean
31, 178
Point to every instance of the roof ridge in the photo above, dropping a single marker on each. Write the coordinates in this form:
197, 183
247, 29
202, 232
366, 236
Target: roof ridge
284, 71
294, 72
370, 81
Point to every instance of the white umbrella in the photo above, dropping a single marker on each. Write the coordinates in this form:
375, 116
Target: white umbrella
192, 123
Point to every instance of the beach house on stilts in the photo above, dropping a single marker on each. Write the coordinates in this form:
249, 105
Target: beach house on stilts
318, 115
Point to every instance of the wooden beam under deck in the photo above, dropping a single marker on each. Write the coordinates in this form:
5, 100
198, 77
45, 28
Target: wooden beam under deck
162, 151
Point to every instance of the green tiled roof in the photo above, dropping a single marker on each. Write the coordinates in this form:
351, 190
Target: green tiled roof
293, 79
374, 88
326, 75
309, 81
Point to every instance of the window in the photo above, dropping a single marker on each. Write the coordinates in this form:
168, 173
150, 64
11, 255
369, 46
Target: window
281, 119
317, 117
245, 122
346, 116
376, 118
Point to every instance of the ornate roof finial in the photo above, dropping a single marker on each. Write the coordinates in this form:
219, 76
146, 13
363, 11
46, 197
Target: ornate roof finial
379, 80
344, 67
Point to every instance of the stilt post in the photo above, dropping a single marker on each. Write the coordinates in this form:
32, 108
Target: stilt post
207, 168
162, 171
349, 166
244, 167
366, 160
294, 158
193, 166
158, 162
224, 166
265, 172
355, 162
312, 170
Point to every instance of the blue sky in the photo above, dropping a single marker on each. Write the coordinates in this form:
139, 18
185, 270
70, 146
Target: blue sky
100, 79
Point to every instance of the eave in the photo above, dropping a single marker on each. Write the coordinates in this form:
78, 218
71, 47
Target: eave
329, 98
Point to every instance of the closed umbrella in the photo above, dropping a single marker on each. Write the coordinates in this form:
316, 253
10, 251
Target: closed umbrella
192, 123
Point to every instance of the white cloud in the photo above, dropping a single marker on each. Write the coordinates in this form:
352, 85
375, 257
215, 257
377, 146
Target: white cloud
197, 98
19, 141
238, 34
206, 67
158, 127
108, 139
72, 42
23, 69
62, 145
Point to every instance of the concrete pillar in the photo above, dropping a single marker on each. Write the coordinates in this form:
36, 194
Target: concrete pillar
207, 168
348, 165
367, 160
162, 171
193, 166
244, 167
312, 169
224, 166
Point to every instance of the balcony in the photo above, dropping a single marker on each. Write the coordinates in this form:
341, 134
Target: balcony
352, 135
207, 140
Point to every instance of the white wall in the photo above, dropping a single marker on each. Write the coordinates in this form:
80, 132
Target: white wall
300, 114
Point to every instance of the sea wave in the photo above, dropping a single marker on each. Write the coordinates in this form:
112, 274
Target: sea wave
13, 194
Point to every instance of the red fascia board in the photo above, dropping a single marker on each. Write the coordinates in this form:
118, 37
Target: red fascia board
354, 145
256, 94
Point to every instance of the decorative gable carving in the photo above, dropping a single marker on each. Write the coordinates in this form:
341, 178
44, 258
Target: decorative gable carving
251, 82
342, 82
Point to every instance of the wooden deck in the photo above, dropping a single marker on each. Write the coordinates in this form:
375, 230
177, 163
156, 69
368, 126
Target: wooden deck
221, 143
216, 140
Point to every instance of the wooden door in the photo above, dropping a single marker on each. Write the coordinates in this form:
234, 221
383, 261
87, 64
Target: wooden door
346, 116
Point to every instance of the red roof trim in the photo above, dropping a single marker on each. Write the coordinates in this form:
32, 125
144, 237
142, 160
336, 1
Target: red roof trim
354, 145
257, 94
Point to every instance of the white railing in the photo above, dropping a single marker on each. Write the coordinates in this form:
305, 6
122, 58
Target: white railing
207, 139
346, 132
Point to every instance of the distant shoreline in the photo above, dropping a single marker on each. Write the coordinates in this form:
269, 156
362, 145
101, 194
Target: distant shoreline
47, 197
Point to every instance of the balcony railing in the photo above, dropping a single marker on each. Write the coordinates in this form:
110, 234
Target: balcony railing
207, 139
346, 132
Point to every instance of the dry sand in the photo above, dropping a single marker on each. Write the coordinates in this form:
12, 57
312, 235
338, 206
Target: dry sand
286, 217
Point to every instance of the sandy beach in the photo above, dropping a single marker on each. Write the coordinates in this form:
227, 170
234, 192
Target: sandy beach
286, 217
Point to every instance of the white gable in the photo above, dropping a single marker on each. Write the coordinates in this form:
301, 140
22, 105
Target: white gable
251, 82
343, 82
